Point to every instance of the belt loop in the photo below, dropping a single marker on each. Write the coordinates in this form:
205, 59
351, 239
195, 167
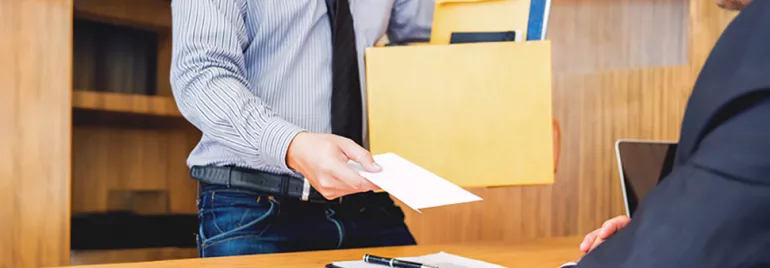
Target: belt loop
229, 176
285, 185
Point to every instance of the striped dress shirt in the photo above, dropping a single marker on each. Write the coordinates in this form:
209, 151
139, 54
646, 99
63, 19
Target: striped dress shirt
251, 74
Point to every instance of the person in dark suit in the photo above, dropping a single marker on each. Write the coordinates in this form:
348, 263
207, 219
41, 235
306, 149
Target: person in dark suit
713, 209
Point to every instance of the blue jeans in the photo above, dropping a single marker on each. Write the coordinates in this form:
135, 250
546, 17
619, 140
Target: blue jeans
236, 221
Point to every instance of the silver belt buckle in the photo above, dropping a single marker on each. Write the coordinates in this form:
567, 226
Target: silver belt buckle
306, 193
305, 190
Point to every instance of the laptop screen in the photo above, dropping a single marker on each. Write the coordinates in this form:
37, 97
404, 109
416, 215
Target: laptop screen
643, 164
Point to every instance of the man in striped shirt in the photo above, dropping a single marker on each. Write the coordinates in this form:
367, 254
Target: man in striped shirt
276, 87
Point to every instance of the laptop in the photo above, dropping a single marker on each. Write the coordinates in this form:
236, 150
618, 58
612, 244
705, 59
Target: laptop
642, 165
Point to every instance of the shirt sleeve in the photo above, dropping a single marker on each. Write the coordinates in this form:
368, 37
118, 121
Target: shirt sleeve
411, 21
208, 83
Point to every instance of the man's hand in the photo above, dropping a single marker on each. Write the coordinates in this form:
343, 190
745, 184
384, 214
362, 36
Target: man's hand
610, 227
323, 159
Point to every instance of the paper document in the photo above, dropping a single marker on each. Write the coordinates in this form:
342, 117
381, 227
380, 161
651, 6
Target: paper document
441, 259
413, 185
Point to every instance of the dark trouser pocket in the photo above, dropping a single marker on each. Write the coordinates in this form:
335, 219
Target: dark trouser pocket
230, 214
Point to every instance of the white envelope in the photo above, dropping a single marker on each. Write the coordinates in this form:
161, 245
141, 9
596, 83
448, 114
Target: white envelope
413, 185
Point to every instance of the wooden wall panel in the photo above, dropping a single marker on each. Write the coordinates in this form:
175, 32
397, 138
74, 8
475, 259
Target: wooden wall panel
645, 104
708, 22
590, 35
622, 69
35, 115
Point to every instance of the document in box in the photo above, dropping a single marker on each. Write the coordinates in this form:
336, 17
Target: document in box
441, 259
413, 185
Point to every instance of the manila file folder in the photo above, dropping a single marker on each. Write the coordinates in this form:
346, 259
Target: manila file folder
478, 115
478, 16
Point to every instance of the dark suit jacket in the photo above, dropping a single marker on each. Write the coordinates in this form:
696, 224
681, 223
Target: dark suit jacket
713, 210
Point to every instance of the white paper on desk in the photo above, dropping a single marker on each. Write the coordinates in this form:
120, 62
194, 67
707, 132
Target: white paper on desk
441, 260
413, 185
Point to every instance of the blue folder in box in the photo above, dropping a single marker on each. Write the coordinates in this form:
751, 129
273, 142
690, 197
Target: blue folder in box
537, 25
539, 12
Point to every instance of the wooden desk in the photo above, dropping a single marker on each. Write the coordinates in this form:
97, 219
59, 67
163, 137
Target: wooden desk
543, 253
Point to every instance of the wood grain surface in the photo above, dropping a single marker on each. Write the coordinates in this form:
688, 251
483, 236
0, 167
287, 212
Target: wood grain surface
163, 87
125, 103
600, 35
89, 257
35, 126
707, 22
110, 160
542, 253
151, 14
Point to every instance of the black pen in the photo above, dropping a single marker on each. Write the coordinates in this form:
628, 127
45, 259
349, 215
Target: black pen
391, 262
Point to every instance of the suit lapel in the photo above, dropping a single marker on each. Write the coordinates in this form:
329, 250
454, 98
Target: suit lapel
737, 68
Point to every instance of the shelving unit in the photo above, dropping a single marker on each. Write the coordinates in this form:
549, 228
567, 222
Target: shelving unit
129, 140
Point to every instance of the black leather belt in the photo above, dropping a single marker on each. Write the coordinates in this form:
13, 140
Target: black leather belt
263, 182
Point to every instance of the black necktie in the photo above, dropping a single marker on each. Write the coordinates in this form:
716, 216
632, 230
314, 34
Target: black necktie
347, 118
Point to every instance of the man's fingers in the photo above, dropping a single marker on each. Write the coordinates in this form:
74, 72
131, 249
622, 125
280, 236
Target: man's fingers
623, 221
588, 241
330, 187
327, 183
597, 237
360, 155
375, 187
608, 228
612, 226
352, 179
332, 195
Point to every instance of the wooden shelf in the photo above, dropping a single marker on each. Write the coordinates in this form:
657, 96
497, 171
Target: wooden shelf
125, 103
150, 14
